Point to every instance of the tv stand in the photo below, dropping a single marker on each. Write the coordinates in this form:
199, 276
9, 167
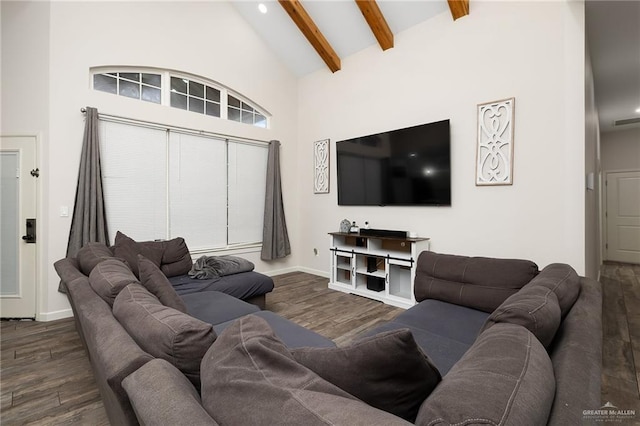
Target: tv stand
377, 267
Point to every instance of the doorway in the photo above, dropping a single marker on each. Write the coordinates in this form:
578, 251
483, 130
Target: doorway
18, 229
622, 216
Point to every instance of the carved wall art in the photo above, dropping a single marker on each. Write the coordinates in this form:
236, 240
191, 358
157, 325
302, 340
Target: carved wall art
494, 164
321, 167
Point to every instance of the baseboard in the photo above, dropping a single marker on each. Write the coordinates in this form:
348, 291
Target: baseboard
52, 316
297, 269
314, 272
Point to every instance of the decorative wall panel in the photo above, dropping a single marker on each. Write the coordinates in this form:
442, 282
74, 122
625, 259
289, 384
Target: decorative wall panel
494, 164
321, 167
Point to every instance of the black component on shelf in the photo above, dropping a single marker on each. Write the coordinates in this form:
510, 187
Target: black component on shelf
372, 264
375, 283
383, 233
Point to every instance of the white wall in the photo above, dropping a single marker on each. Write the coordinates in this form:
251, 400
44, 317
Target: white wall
621, 150
442, 69
24, 100
593, 255
204, 38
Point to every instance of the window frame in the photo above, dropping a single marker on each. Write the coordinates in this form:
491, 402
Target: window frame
165, 92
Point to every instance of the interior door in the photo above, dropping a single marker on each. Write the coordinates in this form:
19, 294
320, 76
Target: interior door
17, 208
623, 217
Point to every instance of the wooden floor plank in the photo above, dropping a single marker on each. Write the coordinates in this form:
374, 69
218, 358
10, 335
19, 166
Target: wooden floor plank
46, 379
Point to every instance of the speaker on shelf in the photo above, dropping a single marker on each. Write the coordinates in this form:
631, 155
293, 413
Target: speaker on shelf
383, 233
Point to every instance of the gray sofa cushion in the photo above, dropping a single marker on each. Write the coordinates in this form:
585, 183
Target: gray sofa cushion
161, 395
162, 331
388, 371
443, 351
157, 283
290, 333
176, 259
90, 255
128, 249
533, 307
215, 308
563, 280
109, 277
477, 282
505, 378
455, 322
249, 377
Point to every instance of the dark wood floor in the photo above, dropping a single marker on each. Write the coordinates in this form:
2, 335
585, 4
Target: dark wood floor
45, 377
621, 330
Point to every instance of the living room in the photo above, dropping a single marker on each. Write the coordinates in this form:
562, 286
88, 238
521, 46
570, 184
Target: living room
415, 82
439, 69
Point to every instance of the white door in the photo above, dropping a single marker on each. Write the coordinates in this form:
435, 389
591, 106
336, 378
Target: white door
17, 205
623, 217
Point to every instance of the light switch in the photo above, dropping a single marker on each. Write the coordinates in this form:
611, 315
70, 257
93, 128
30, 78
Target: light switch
64, 211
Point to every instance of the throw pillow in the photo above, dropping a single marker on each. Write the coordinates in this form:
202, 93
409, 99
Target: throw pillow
157, 283
388, 371
162, 331
129, 250
91, 254
109, 277
176, 259
533, 307
249, 374
505, 378
563, 280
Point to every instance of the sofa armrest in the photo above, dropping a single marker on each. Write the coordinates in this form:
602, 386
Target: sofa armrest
112, 352
68, 270
161, 394
576, 355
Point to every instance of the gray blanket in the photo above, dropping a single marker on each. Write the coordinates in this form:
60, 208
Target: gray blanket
207, 267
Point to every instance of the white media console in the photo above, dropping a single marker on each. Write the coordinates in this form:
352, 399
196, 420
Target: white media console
378, 267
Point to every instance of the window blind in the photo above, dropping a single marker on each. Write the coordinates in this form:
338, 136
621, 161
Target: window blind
163, 183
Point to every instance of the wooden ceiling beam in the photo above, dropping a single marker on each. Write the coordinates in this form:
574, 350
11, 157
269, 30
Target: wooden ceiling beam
459, 8
374, 17
311, 31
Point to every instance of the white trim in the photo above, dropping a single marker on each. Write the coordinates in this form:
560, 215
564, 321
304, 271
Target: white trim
56, 315
324, 274
253, 248
604, 223
41, 230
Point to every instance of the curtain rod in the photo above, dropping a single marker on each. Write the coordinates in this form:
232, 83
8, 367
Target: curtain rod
178, 128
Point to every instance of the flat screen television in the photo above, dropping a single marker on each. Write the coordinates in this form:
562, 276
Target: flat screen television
404, 167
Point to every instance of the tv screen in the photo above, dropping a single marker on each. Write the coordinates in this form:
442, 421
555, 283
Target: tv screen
404, 167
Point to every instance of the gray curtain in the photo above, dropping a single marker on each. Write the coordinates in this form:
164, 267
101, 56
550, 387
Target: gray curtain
89, 222
275, 239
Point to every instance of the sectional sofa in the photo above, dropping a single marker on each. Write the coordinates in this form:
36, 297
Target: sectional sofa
490, 341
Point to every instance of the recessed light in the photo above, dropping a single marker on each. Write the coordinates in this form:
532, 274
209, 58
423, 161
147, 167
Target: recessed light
262, 8
638, 110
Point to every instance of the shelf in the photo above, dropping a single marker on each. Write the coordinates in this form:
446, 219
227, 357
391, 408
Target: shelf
380, 268
379, 274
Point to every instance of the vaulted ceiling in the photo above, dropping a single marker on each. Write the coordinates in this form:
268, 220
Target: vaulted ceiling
310, 35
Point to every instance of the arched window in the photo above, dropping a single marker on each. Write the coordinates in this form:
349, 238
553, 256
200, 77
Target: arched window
179, 90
